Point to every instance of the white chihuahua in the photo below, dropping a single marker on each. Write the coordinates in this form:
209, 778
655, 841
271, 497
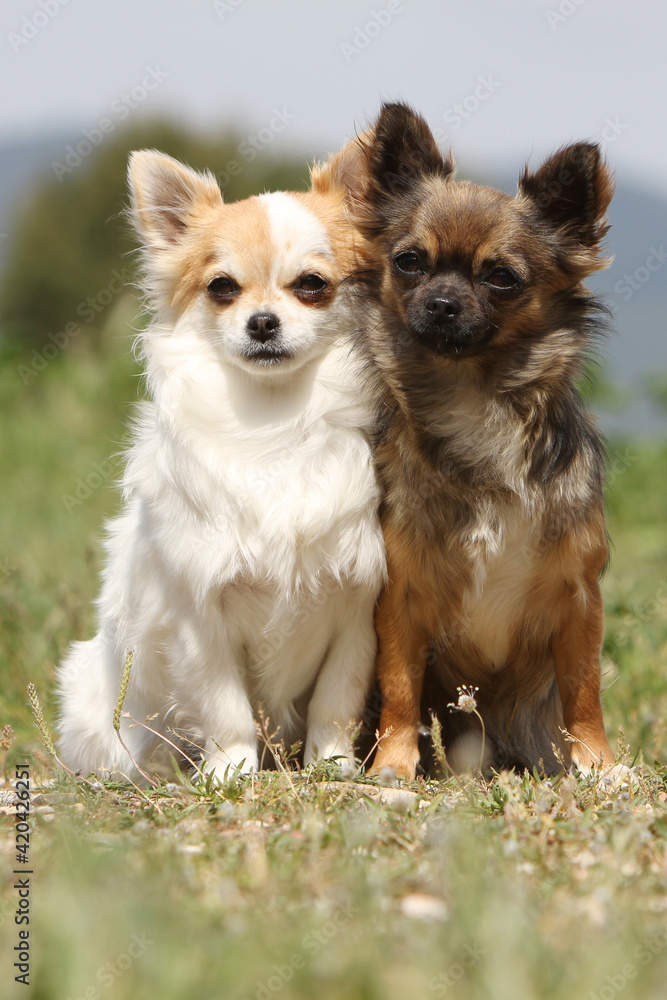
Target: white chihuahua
245, 566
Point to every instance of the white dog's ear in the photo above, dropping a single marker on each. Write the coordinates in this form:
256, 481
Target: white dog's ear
345, 169
165, 196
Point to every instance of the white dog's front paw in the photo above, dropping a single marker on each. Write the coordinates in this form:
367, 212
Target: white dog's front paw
328, 744
224, 762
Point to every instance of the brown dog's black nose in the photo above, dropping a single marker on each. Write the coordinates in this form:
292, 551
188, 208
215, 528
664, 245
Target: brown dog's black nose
442, 306
262, 326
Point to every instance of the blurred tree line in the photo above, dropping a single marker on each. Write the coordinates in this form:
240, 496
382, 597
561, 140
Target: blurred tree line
72, 248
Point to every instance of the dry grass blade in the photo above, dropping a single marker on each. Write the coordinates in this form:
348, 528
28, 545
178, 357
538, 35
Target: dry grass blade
118, 711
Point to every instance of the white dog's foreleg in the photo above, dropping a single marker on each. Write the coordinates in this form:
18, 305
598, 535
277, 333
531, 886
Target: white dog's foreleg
229, 727
212, 692
342, 686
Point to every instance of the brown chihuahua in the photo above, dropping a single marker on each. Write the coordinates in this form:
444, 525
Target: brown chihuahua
493, 472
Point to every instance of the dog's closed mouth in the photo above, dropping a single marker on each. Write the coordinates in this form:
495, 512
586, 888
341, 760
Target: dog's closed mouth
266, 355
459, 341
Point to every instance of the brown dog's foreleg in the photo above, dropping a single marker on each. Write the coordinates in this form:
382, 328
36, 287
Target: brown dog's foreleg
576, 653
402, 653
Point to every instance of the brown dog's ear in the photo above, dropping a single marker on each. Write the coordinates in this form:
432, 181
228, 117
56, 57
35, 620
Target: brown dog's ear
403, 151
571, 191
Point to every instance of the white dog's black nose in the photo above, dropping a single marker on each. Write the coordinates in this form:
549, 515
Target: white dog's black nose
263, 326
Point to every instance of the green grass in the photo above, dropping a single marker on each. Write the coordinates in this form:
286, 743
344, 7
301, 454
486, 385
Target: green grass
294, 885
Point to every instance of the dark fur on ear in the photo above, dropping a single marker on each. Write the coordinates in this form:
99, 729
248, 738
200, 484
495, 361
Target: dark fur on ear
571, 192
402, 153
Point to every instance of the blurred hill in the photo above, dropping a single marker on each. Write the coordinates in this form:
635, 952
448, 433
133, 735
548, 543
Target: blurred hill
65, 249
68, 248
32, 164
634, 288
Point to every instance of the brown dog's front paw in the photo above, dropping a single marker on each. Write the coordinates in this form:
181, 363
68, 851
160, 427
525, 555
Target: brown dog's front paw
590, 753
400, 764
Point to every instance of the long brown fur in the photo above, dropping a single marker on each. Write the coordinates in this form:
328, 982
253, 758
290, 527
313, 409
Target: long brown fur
492, 470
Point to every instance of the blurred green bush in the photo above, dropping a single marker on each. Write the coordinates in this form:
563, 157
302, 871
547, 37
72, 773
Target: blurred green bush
72, 247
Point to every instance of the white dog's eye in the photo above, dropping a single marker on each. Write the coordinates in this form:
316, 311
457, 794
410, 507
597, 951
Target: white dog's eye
222, 288
310, 287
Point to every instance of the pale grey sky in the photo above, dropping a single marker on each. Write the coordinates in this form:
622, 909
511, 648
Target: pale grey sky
501, 80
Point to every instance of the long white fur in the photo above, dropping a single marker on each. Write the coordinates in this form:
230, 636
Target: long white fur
245, 565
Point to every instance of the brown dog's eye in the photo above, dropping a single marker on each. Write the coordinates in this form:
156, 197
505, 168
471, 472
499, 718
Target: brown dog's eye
502, 278
222, 288
409, 262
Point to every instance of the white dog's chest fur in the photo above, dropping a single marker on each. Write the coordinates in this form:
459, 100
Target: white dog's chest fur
267, 524
247, 559
284, 529
287, 503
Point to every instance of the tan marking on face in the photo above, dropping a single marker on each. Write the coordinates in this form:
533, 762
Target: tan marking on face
229, 240
350, 251
466, 225
265, 244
